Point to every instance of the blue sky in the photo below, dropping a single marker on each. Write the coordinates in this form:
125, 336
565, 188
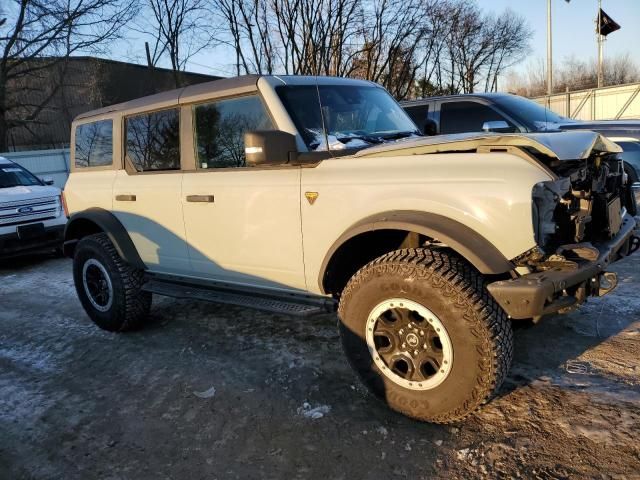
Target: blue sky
573, 26
573, 32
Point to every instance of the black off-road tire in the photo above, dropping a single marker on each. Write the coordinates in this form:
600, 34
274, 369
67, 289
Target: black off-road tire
479, 330
130, 305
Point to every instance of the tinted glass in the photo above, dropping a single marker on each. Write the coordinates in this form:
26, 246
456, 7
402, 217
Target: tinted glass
354, 116
94, 144
418, 113
153, 140
220, 128
460, 117
13, 175
528, 111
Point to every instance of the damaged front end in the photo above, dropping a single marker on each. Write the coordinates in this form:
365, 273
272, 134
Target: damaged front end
584, 219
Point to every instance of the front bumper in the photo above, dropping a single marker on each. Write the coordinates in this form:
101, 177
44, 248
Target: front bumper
12, 245
537, 294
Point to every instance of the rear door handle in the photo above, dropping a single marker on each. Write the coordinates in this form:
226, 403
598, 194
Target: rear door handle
200, 198
126, 198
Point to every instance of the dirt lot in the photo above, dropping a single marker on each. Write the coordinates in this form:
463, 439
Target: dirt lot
210, 391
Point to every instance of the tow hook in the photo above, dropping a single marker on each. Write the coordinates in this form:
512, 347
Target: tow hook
604, 283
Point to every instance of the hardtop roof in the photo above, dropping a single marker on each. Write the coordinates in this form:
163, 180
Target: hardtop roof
222, 87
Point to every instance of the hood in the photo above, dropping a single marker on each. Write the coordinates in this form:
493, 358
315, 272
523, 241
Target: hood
574, 145
15, 194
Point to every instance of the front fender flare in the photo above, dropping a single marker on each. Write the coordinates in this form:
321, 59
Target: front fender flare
476, 249
108, 223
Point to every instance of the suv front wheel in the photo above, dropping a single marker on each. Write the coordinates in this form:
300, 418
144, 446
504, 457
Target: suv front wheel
424, 335
109, 289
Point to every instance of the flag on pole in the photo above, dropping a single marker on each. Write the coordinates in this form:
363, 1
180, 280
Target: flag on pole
607, 24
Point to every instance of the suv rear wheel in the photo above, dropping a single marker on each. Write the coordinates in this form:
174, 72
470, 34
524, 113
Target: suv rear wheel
109, 289
424, 335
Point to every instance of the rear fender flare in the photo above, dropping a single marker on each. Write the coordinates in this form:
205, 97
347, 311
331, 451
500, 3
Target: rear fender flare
87, 220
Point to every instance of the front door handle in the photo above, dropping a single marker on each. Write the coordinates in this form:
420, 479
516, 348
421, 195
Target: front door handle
200, 198
126, 198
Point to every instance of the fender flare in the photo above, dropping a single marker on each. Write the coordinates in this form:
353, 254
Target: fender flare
110, 225
476, 249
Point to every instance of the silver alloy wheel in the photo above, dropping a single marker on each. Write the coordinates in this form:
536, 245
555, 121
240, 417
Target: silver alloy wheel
409, 344
97, 285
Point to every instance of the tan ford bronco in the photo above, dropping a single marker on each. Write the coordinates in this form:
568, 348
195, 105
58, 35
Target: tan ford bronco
303, 195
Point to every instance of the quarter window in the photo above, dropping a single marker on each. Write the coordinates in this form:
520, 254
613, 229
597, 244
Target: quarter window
220, 128
94, 144
153, 140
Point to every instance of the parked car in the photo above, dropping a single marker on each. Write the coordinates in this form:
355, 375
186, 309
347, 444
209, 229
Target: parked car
32, 216
305, 194
507, 113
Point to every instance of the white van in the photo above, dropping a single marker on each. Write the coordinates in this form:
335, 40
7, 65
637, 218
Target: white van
32, 215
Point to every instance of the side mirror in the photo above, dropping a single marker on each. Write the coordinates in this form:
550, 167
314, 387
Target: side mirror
496, 126
269, 147
47, 180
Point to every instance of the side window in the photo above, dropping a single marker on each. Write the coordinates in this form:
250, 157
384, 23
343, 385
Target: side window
220, 128
418, 113
153, 140
94, 144
461, 117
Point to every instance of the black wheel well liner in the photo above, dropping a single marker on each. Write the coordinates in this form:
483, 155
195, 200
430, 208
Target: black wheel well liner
378, 234
96, 220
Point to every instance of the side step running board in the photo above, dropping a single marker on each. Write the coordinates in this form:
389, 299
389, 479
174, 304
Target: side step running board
298, 307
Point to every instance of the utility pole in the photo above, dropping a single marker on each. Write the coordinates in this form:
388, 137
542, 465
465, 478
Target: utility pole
600, 46
549, 52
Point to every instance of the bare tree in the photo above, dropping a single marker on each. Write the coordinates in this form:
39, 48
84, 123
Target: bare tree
36, 38
180, 29
574, 74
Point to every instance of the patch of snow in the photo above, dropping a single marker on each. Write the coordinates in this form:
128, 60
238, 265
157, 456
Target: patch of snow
206, 394
315, 412
382, 431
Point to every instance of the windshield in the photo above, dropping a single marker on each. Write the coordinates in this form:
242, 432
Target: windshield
12, 175
529, 112
354, 116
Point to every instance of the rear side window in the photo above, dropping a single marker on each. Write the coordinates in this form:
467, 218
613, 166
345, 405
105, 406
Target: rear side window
220, 127
94, 144
461, 117
153, 140
419, 113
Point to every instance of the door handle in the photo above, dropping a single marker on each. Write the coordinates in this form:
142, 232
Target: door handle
126, 198
200, 198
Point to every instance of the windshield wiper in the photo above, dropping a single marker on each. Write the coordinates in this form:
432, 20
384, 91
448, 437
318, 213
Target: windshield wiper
399, 135
367, 138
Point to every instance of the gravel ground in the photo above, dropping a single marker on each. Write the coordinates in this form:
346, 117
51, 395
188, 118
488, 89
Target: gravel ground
210, 391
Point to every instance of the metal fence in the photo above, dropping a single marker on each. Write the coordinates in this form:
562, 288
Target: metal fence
606, 103
54, 164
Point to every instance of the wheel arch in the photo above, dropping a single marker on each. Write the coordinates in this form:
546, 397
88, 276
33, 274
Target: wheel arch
378, 234
97, 220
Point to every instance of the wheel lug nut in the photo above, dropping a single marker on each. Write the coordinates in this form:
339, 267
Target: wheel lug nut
424, 346
422, 333
415, 352
404, 345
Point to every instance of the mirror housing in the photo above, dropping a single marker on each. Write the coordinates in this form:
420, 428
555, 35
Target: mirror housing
269, 147
496, 126
47, 180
